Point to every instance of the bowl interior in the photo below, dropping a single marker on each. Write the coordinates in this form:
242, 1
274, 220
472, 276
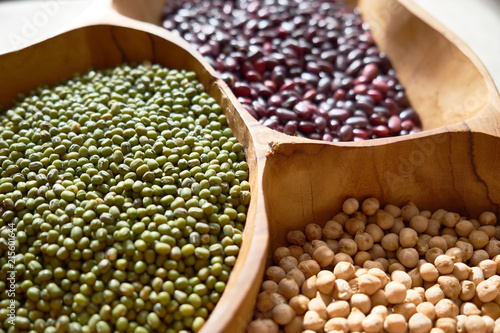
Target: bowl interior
306, 183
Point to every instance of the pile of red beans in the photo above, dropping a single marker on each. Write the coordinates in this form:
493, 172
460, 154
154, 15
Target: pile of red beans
302, 67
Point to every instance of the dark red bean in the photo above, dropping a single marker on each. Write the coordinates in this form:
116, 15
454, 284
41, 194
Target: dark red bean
271, 123
302, 110
310, 94
241, 89
259, 109
380, 85
378, 119
320, 123
291, 127
327, 137
288, 85
286, 114
338, 114
275, 100
324, 85
306, 126
260, 65
408, 114
253, 76
394, 124
251, 111
370, 71
407, 125
362, 133
346, 133
357, 122
381, 131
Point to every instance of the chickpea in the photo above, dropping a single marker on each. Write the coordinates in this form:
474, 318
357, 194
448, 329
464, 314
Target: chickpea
348, 246
355, 320
372, 323
283, 314
397, 266
468, 290
467, 249
317, 305
491, 310
338, 309
299, 304
428, 309
489, 268
364, 240
447, 325
379, 274
408, 211
401, 277
478, 239
493, 248
341, 218
342, 257
309, 268
432, 254
398, 225
405, 309
278, 299
489, 322
316, 243
288, 287
385, 220
344, 270
469, 308
428, 272
449, 285
280, 253
419, 223
288, 263
450, 237
361, 257
380, 311
390, 242
368, 284
487, 218
444, 264
295, 251
446, 308
325, 282
269, 285
434, 294
464, 228
370, 206
304, 257
275, 273
353, 284
423, 244
313, 231
408, 257
395, 323
341, 290
373, 264
486, 291
419, 323
263, 326
408, 237
478, 256
333, 230
265, 301
375, 231
461, 271
395, 292
353, 225
336, 325
438, 214
361, 216
455, 254
413, 296
384, 262
296, 237
450, 219
309, 287
395, 211
333, 245
350, 206
475, 324
379, 298
433, 227
490, 230
313, 321
323, 256
439, 242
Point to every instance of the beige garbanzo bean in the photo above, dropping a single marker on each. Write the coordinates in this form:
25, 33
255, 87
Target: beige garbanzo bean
395, 323
350, 206
419, 323
428, 309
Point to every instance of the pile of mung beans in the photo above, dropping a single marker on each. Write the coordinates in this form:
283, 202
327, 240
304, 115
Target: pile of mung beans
302, 67
385, 269
123, 196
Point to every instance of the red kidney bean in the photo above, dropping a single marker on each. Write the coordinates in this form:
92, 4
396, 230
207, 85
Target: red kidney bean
380, 131
316, 58
286, 114
394, 124
346, 133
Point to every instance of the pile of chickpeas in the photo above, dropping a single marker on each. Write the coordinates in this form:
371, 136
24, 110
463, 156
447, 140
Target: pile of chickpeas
385, 269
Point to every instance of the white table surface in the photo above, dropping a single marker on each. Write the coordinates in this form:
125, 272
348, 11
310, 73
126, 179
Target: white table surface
476, 22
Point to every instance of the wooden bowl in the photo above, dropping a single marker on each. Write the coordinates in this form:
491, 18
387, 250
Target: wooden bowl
296, 181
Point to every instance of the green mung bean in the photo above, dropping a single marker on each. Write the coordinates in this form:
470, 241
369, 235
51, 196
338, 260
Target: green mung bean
127, 193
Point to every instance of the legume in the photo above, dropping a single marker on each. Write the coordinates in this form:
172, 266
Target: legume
308, 68
389, 284
128, 195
